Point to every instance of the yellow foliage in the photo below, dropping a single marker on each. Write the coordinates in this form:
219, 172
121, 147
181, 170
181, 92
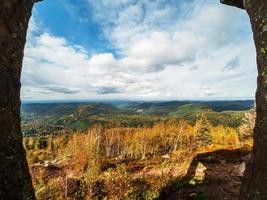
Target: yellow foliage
91, 156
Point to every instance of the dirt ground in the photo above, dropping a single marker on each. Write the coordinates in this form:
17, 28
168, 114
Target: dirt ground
211, 176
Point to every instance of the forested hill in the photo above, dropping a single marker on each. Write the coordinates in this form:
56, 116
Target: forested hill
171, 106
47, 118
42, 109
112, 107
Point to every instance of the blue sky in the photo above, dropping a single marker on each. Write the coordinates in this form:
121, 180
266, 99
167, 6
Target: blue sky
138, 49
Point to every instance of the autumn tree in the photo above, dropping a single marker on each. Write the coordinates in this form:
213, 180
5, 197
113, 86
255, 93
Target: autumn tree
247, 127
203, 133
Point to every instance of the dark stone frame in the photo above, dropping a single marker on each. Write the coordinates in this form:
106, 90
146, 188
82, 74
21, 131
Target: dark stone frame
15, 180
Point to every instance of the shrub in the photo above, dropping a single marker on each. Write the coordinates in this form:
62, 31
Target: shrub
41, 143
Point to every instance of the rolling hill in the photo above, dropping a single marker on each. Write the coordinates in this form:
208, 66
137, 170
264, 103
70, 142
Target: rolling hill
43, 118
165, 108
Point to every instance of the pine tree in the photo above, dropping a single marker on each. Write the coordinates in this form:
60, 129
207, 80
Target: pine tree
203, 133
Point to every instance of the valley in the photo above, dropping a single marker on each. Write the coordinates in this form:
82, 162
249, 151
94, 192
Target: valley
138, 150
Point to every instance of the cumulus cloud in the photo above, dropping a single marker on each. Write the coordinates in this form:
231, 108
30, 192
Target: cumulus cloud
164, 50
54, 68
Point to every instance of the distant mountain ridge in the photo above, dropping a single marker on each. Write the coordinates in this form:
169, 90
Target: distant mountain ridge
172, 106
44, 118
154, 108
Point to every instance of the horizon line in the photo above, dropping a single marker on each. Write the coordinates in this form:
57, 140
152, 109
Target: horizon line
129, 100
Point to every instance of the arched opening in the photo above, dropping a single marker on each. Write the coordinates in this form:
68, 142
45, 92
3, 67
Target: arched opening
14, 33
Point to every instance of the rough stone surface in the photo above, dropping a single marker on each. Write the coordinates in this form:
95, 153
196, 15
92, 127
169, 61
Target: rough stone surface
15, 180
255, 181
14, 174
236, 3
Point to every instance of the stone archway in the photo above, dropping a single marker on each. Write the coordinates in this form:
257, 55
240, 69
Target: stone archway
15, 180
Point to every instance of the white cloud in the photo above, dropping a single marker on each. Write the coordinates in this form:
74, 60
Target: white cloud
167, 50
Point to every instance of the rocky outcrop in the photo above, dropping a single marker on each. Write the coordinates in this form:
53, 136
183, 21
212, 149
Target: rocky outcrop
236, 3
